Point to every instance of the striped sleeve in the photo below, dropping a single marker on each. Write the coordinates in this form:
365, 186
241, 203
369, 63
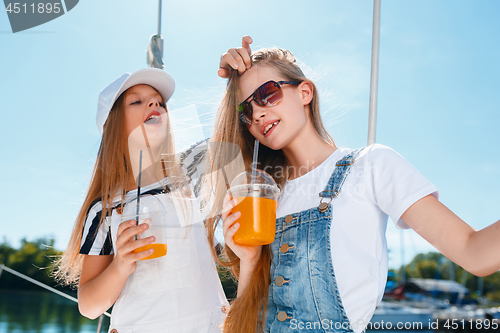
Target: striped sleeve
193, 163
96, 237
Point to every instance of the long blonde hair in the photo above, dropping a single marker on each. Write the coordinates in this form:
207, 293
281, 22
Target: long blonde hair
247, 313
110, 176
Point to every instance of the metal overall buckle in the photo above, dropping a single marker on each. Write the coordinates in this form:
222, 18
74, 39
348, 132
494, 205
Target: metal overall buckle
323, 206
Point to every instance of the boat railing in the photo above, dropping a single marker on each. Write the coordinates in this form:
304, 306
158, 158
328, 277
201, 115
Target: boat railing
55, 291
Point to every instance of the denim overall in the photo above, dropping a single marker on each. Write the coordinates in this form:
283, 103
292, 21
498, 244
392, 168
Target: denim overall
303, 294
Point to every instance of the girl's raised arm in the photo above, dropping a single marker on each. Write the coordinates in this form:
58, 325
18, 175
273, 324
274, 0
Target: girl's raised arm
476, 251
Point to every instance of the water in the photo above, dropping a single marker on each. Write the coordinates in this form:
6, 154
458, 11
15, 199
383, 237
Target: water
45, 312
40, 311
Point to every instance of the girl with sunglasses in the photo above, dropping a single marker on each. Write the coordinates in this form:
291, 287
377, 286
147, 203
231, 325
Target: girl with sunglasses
326, 269
177, 292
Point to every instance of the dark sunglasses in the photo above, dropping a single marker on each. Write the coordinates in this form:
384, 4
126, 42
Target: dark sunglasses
268, 94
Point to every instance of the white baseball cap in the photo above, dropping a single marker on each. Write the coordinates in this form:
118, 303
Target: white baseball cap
156, 78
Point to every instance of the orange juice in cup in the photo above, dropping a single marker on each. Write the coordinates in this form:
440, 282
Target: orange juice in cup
159, 250
152, 212
256, 194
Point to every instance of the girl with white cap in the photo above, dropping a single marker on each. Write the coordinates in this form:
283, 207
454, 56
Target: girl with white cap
178, 292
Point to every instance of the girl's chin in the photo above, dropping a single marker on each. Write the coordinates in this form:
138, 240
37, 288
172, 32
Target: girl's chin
272, 145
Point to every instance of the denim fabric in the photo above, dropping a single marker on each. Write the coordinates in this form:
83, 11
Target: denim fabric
303, 294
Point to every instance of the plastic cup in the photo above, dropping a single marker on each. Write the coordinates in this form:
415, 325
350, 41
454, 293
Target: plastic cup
152, 212
256, 194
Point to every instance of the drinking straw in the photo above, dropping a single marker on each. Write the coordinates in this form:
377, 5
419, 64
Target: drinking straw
138, 204
254, 163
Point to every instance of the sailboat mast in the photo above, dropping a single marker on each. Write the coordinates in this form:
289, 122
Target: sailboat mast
372, 120
155, 47
402, 277
159, 18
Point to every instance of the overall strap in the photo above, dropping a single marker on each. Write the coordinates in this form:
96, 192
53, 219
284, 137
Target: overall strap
340, 173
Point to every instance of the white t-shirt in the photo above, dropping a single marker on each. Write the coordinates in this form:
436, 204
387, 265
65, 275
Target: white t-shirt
381, 184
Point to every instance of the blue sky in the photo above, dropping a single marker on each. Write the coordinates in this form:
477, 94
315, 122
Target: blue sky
437, 103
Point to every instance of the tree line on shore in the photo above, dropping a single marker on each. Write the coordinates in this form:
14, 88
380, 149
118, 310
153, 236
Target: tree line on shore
433, 265
35, 258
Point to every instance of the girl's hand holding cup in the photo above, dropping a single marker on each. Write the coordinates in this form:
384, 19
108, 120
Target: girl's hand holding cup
125, 257
230, 225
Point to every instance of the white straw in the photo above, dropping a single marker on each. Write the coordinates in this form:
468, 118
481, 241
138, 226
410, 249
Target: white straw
254, 163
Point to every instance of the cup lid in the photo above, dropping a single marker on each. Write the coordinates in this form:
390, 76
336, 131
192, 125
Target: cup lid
254, 176
148, 204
